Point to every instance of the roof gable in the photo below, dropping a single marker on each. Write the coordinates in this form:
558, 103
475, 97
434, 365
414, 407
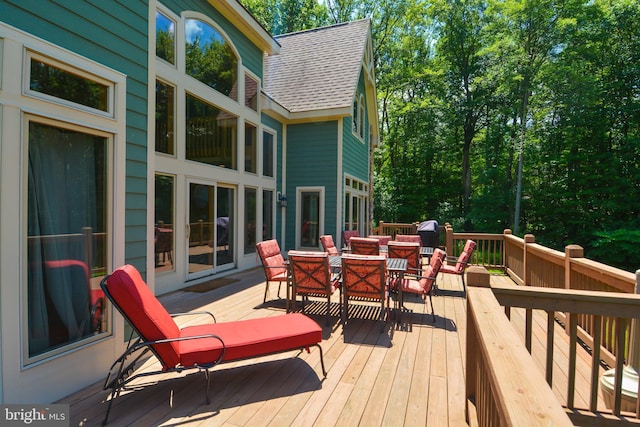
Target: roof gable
317, 69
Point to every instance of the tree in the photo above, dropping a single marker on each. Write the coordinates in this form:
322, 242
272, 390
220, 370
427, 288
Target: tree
287, 16
460, 44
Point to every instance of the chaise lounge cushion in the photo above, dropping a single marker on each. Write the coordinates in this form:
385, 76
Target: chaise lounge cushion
250, 338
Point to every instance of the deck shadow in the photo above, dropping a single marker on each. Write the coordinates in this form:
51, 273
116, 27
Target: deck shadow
450, 293
409, 319
184, 396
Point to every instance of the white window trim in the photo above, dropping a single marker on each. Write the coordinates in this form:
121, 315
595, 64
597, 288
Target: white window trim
152, 121
321, 207
250, 111
27, 91
185, 170
274, 153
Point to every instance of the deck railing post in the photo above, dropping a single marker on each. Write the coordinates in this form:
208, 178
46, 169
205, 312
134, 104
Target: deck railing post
528, 238
478, 276
634, 344
570, 251
505, 257
449, 240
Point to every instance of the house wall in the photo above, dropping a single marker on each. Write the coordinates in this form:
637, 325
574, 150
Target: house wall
71, 31
82, 28
312, 150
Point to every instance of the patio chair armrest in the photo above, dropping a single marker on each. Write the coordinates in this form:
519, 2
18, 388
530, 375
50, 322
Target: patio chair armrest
285, 265
192, 313
455, 259
413, 271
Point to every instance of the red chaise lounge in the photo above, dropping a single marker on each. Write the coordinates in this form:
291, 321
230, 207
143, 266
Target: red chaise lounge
194, 347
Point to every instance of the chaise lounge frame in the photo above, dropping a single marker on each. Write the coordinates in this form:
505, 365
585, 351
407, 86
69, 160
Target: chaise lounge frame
280, 340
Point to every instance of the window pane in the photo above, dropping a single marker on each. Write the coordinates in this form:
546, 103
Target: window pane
54, 81
250, 93
250, 148
165, 38
164, 239
211, 134
361, 118
225, 218
250, 214
201, 227
267, 215
66, 236
267, 154
356, 109
210, 59
355, 225
310, 219
165, 120
347, 209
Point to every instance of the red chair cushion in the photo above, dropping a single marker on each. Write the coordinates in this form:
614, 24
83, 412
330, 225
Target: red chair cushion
249, 338
149, 317
272, 259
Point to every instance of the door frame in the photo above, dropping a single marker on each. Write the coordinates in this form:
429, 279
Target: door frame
321, 208
215, 269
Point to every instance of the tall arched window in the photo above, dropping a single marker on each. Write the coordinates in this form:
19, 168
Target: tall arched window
210, 59
361, 117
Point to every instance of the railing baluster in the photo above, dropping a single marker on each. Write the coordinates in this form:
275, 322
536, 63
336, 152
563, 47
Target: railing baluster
595, 362
620, 331
573, 342
528, 328
551, 323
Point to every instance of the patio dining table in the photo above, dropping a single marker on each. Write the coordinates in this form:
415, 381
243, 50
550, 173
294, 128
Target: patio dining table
396, 267
425, 251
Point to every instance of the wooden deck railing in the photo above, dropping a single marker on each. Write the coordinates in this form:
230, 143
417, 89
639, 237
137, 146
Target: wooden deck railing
530, 264
392, 229
501, 387
493, 356
595, 288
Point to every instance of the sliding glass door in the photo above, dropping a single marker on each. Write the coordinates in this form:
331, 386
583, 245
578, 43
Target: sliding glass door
210, 228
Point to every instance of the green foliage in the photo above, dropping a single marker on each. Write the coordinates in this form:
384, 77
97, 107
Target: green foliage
467, 88
618, 248
287, 16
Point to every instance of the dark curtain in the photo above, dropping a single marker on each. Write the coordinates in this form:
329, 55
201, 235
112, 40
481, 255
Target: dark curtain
65, 192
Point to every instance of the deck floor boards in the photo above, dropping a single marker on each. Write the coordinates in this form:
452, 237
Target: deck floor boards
410, 374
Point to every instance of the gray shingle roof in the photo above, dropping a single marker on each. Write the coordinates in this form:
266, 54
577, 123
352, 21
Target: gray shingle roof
317, 69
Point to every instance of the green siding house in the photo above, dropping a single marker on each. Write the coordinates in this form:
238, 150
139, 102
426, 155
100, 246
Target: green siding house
172, 135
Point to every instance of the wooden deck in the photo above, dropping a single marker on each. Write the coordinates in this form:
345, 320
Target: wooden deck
411, 374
